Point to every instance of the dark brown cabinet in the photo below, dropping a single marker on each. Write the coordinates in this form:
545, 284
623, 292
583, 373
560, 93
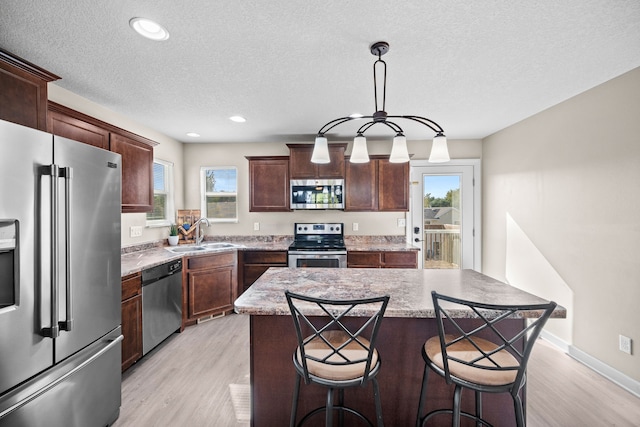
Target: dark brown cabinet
62, 124
253, 264
23, 91
137, 173
269, 184
136, 152
300, 166
131, 319
211, 286
378, 185
382, 259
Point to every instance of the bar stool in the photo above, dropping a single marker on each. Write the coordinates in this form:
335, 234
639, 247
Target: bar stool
481, 357
333, 353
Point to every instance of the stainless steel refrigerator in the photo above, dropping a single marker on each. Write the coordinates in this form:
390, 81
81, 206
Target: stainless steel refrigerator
60, 285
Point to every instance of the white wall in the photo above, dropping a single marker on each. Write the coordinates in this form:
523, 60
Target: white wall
562, 193
370, 223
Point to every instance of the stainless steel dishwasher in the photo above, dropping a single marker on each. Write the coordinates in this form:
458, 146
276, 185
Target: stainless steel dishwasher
161, 303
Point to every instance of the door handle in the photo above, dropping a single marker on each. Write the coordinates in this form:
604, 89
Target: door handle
53, 330
67, 324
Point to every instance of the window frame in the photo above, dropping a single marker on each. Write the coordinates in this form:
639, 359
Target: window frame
169, 192
204, 193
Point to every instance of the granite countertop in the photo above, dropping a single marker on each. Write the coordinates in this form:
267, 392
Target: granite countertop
409, 289
137, 260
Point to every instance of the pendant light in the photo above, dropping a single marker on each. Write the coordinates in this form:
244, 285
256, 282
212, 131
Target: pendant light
399, 153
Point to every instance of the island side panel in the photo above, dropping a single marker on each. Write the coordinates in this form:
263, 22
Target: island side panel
400, 342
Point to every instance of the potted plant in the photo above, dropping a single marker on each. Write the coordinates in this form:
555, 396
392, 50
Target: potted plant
173, 235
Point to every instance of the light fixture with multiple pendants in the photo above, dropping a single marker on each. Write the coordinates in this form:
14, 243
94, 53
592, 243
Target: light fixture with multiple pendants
399, 153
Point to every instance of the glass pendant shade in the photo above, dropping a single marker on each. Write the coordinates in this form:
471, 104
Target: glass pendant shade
320, 151
399, 153
439, 151
359, 153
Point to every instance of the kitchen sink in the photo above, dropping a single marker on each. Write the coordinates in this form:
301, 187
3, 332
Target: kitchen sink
205, 247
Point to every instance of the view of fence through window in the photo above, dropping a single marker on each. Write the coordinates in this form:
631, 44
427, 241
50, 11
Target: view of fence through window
442, 218
221, 185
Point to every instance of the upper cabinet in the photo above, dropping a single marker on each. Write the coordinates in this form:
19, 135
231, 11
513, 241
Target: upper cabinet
300, 166
269, 184
378, 185
137, 173
23, 91
393, 186
136, 152
76, 127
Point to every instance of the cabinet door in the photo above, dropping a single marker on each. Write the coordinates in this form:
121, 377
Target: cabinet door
393, 186
23, 92
131, 330
357, 259
137, 173
300, 166
70, 127
401, 259
361, 186
269, 184
211, 291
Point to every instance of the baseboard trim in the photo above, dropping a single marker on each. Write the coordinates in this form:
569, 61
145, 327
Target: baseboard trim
615, 376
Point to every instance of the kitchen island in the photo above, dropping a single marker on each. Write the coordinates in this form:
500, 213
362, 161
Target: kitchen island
409, 321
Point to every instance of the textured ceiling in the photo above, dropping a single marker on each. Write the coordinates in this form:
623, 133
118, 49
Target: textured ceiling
290, 66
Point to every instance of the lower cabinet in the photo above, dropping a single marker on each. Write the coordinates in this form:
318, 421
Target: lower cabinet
254, 263
382, 259
131, 319
211, 286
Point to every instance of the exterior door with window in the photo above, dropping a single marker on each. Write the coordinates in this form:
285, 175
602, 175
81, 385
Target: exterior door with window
445, 214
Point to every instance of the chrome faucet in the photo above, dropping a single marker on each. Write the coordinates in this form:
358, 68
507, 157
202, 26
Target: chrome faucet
199, 237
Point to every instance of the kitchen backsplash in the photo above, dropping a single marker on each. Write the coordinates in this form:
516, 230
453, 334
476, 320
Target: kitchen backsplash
349, 240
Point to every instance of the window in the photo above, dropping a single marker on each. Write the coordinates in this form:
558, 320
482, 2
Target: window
219, 186
162, 213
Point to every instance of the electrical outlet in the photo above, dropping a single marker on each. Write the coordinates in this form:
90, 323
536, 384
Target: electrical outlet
135, 231
625, 344
256, 226
356, 226
402, 222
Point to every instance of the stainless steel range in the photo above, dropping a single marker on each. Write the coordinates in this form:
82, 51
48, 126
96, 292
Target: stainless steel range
318, 245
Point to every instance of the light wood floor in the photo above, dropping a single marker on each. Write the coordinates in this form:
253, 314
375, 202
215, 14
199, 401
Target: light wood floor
185, 382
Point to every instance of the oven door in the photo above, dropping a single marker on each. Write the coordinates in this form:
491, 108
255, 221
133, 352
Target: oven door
313, 259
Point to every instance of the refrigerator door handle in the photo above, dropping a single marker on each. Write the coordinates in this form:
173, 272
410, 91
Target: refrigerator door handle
67, 174
53, 331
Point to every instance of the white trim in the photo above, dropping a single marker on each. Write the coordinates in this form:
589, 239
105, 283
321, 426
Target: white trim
169, 191
612, 374
617, 377
477, 200
203, 194
555, 341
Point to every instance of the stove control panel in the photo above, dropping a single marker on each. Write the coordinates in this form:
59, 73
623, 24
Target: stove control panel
319, 228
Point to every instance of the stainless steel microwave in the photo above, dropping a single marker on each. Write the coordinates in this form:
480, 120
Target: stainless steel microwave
317, 194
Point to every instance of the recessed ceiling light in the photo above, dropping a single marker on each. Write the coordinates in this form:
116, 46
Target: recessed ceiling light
356, 115
149, 29
193, 134
238, 119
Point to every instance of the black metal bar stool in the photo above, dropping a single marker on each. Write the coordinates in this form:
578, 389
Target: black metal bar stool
333, 355
481, 357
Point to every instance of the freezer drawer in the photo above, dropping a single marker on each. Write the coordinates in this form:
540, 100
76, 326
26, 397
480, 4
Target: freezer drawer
83, 391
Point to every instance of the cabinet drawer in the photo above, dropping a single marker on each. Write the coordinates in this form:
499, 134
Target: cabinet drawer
400, 259
265, 257
208, 261
364, 259
131, 285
